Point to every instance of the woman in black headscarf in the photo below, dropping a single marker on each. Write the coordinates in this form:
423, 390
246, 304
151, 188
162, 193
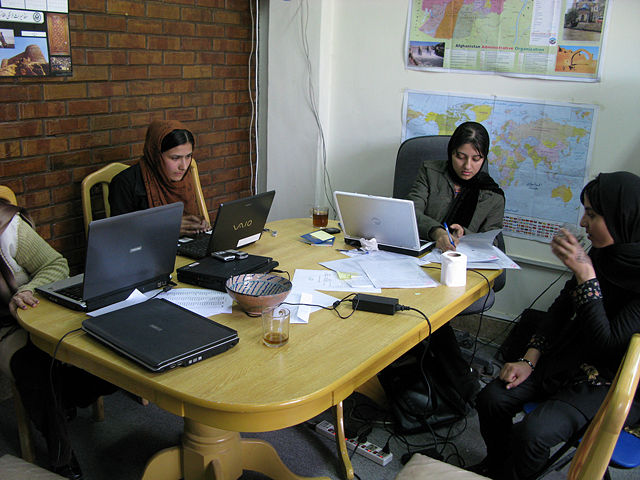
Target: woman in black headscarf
458, 191
579, 343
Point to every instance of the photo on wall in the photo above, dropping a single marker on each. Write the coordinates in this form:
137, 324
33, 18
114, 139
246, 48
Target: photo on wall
34, 43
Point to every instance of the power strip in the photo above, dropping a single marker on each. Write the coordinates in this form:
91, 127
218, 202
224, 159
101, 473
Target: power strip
366, 449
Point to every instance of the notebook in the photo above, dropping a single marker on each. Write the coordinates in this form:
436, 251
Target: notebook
391, 221
160, 335
125, 252
238, 223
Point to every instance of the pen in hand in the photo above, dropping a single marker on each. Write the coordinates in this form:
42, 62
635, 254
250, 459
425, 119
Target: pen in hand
446, 227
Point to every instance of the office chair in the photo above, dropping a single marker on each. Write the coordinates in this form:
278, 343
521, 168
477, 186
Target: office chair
594, 453
411, 154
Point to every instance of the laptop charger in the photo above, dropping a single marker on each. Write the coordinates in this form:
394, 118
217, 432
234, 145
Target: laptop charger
375, 304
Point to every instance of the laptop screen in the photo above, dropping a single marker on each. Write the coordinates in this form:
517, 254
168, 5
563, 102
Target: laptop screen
127, 250
391, 221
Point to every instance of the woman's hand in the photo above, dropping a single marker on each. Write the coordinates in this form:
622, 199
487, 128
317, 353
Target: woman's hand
514, 373
567, 248
442, 240
21, 300
193, 224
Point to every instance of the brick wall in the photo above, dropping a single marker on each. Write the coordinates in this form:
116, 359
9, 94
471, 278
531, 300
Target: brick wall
133, 62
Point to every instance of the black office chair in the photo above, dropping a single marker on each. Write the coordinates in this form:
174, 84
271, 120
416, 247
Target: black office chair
411, 154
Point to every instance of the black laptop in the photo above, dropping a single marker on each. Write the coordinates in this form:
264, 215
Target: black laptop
125, 252
160, 335
238, 223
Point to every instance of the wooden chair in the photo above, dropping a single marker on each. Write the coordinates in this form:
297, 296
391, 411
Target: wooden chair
100, 177
591, 459
7, 193
104, 176
202, 205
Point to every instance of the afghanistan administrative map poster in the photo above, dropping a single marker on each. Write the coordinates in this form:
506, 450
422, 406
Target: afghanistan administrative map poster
539, 154
551, 39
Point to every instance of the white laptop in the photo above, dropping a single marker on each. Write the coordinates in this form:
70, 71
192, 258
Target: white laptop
391, 221
125, 252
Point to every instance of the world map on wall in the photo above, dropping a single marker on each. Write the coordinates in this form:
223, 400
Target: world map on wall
539, 152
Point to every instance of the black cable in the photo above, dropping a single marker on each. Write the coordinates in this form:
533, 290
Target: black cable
333, 307
51, 383
484, 305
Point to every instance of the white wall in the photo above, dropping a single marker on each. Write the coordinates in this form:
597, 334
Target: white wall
357, 65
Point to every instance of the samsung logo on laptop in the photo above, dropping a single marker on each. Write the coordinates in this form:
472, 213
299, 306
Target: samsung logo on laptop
243, 225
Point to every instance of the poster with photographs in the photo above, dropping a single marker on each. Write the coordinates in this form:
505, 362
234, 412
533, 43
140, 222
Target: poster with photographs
34, 38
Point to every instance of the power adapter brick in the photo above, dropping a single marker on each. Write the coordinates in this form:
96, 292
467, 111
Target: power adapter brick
375, 304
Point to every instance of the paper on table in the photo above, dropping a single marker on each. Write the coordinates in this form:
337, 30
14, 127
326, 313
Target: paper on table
300, 313
135, 297
398, 273
204, 302
478, 247
310, 280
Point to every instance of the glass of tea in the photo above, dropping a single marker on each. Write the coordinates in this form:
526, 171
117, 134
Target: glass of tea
320, 216
275, 326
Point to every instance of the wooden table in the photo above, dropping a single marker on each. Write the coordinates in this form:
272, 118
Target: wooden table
251, 388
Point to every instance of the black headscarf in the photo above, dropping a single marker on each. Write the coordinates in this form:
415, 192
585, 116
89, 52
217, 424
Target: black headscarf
617, 195
465, 203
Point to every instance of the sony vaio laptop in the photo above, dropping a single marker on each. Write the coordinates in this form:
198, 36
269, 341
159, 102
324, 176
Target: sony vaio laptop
391, 221
238, 223
160, 335
125, 252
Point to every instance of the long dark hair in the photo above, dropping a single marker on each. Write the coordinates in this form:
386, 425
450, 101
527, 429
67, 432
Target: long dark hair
473, 133
176, 138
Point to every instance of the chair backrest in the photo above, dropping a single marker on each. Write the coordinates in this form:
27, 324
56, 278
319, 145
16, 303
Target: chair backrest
100, 177
596, 447
202, 205
7, 193
411, 154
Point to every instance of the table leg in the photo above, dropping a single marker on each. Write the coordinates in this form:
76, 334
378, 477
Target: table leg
208, 453
343, 453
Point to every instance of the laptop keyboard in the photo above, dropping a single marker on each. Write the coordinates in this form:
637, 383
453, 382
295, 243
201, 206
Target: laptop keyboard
196, 248
74, 291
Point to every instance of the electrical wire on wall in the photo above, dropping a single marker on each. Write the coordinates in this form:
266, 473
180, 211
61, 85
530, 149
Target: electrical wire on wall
253, 123
326, 180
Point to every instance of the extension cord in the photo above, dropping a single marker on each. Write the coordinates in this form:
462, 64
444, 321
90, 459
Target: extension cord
366, 449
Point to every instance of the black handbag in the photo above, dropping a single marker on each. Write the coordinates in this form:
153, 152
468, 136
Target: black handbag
431, 385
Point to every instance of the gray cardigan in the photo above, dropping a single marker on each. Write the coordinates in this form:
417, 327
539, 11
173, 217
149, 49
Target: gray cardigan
433, 192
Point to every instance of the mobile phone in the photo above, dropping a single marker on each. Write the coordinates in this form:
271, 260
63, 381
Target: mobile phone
224, 255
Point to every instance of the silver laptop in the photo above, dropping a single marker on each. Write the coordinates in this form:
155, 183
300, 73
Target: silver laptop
391, 221
238, 223
125, 252
160, 335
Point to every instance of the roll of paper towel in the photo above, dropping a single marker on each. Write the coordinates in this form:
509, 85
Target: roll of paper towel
454, 269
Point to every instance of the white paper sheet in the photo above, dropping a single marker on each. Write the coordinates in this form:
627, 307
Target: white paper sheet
309, 280
301, 313
204, 302
396, 273
135, 297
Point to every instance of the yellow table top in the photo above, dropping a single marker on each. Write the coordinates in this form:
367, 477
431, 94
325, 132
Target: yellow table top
254, 388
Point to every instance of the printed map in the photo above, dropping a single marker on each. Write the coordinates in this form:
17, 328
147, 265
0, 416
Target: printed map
539, 153
541, 38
